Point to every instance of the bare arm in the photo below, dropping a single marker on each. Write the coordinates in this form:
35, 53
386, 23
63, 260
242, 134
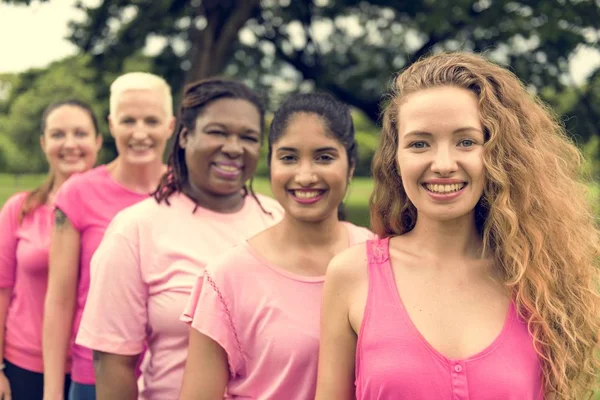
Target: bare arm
60, 304
115, 376
338, 339
206, 370
5, 295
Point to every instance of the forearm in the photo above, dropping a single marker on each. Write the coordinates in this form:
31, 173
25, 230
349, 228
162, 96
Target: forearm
57, 331
115, 377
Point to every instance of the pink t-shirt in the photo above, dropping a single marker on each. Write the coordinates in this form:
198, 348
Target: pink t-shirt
394, 361
267, 321
90, 200
143, 274
24, 267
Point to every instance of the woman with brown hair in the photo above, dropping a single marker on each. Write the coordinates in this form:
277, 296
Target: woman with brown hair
70, 140
484, 282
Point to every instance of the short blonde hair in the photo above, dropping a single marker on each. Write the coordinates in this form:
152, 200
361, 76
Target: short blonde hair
140, 81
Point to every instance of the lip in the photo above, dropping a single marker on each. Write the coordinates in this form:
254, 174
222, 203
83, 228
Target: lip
309, 201
443, 181
227, 175
140, 148
70, 158
444, 196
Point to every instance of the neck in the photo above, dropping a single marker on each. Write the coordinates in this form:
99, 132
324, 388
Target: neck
455, 239
139, 178
291, 232
215, 202
57, 182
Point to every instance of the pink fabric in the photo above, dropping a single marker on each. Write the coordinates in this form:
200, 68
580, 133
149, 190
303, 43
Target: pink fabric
267, 321
90, 200
143, 274
393, 360
24, 268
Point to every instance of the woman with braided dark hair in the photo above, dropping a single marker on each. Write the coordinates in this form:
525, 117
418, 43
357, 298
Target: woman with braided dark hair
151, 254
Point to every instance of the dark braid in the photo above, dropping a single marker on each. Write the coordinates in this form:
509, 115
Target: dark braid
196, 97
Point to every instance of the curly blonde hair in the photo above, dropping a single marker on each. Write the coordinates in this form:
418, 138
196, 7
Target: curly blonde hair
534, 215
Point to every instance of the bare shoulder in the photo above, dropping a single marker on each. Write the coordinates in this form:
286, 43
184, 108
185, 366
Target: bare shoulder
349, 266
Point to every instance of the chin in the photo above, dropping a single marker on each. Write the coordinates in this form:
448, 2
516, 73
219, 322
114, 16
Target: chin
133, 160
312, 216
226, 190
72, 169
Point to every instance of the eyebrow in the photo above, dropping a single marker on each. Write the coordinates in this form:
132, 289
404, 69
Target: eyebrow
224, 127
319, 150
456, 131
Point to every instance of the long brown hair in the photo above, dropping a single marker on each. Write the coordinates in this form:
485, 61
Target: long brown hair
534, 215
39, 195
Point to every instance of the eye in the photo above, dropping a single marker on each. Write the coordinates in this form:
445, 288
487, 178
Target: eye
81, 134
57, 134
215, 132
252, 139
128, 121
419, 145
325, 158
467, 143
152, 121
287, 158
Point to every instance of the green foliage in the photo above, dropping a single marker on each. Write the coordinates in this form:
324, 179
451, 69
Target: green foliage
32, 93
26, 95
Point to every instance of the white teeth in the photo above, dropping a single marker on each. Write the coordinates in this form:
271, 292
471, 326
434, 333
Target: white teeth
229, 168
455, 187
306, 195
139, 147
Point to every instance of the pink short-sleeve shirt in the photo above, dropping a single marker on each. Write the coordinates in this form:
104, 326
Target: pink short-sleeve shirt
143, 274
90, 201
267, 321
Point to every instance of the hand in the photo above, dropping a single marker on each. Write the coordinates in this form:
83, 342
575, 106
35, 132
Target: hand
4, 387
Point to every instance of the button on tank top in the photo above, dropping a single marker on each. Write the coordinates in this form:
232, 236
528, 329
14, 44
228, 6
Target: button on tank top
394, 361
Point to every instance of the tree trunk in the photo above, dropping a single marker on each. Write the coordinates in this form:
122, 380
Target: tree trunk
212, 45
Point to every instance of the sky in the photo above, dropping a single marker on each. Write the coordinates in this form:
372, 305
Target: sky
42, 29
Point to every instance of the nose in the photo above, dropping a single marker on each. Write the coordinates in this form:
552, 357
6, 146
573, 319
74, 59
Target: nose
139, 132
69, 140
232, 146
444, 162
305, 175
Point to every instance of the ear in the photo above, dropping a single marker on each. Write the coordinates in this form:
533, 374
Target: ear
171, 126
351, 172
111, 125
99, 141
184, 137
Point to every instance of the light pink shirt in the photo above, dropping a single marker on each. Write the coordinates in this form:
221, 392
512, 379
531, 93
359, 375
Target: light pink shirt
24, 268
267, 321
143, 274
394, 361
90, 201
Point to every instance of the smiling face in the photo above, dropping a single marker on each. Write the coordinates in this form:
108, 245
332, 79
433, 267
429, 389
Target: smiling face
141, 126
222, 152
440, 152
70, 141
309, 169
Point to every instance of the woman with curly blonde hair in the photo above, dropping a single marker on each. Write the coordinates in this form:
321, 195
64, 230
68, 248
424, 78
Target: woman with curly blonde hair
483, 283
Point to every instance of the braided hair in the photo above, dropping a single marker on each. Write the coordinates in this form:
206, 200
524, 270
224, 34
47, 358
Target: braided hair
196, 97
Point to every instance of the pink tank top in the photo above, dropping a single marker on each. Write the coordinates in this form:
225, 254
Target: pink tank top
394, 361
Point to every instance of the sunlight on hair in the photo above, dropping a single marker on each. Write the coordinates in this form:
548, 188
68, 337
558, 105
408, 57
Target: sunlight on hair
140, 81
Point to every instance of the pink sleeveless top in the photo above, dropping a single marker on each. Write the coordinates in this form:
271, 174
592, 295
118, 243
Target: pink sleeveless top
394, 361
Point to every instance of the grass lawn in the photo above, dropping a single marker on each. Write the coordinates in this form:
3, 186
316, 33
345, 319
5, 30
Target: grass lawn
356, 201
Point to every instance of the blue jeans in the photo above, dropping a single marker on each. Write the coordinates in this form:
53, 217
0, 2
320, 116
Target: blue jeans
79, 391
